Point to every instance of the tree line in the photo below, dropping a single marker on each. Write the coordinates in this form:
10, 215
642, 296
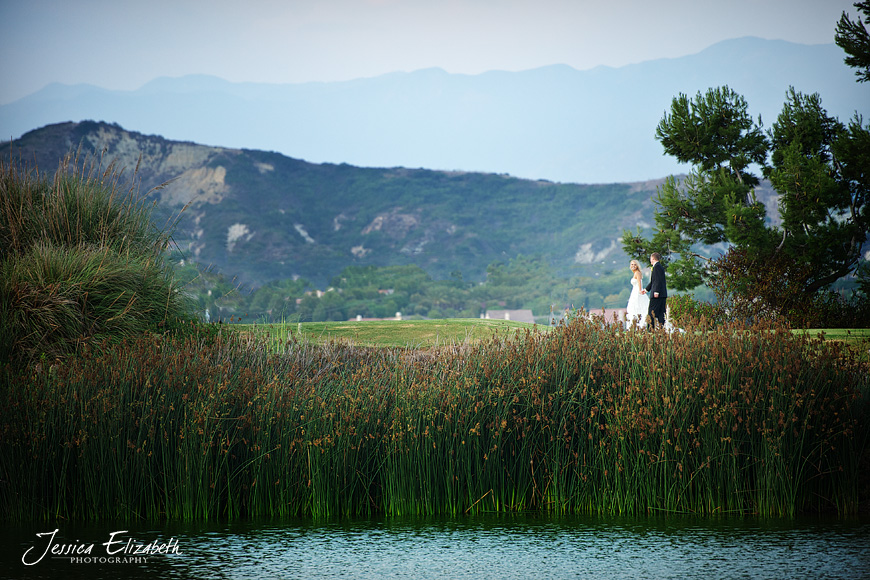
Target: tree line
524, 282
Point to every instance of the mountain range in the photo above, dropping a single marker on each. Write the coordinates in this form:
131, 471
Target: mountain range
555, 123
263, 216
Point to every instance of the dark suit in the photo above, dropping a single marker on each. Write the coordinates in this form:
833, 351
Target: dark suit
657, 305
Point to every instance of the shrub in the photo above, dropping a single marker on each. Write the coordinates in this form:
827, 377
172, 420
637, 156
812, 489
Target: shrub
685, 310
752, 287
80, 259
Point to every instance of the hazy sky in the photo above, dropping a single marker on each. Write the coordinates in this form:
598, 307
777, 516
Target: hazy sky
122, 44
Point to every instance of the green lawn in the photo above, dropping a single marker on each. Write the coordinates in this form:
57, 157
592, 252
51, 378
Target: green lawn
453, 331
396, 333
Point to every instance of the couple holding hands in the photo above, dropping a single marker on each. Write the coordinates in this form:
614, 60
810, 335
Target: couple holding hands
648, 301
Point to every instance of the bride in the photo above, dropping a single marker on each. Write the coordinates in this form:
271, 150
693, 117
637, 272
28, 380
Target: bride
638, 304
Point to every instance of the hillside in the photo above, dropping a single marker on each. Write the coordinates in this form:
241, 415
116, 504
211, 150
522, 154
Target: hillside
263, 216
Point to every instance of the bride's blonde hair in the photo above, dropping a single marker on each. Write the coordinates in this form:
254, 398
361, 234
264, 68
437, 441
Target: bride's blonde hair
635, 263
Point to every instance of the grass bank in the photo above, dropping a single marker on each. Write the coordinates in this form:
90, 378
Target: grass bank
581, 419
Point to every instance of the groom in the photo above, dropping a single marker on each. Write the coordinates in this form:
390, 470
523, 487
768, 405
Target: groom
658, 290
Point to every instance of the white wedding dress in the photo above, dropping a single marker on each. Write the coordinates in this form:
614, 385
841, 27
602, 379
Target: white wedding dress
638, 305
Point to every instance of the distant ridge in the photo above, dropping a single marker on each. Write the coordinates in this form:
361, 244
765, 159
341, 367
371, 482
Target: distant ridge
554, 122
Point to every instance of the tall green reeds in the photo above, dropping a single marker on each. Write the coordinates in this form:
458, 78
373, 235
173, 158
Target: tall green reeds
80, 259
585, 419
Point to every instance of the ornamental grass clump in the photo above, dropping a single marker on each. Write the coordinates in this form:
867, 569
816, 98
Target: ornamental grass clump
80, 260
585, 419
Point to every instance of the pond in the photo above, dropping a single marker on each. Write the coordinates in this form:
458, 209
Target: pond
479, 547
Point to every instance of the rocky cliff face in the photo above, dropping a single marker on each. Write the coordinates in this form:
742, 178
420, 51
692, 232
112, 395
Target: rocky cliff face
264, 216
184, 168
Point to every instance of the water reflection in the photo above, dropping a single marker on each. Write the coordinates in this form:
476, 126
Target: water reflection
480, 547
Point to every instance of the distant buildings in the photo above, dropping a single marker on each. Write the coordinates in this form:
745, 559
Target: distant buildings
607, 314
515, 315
361, 318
